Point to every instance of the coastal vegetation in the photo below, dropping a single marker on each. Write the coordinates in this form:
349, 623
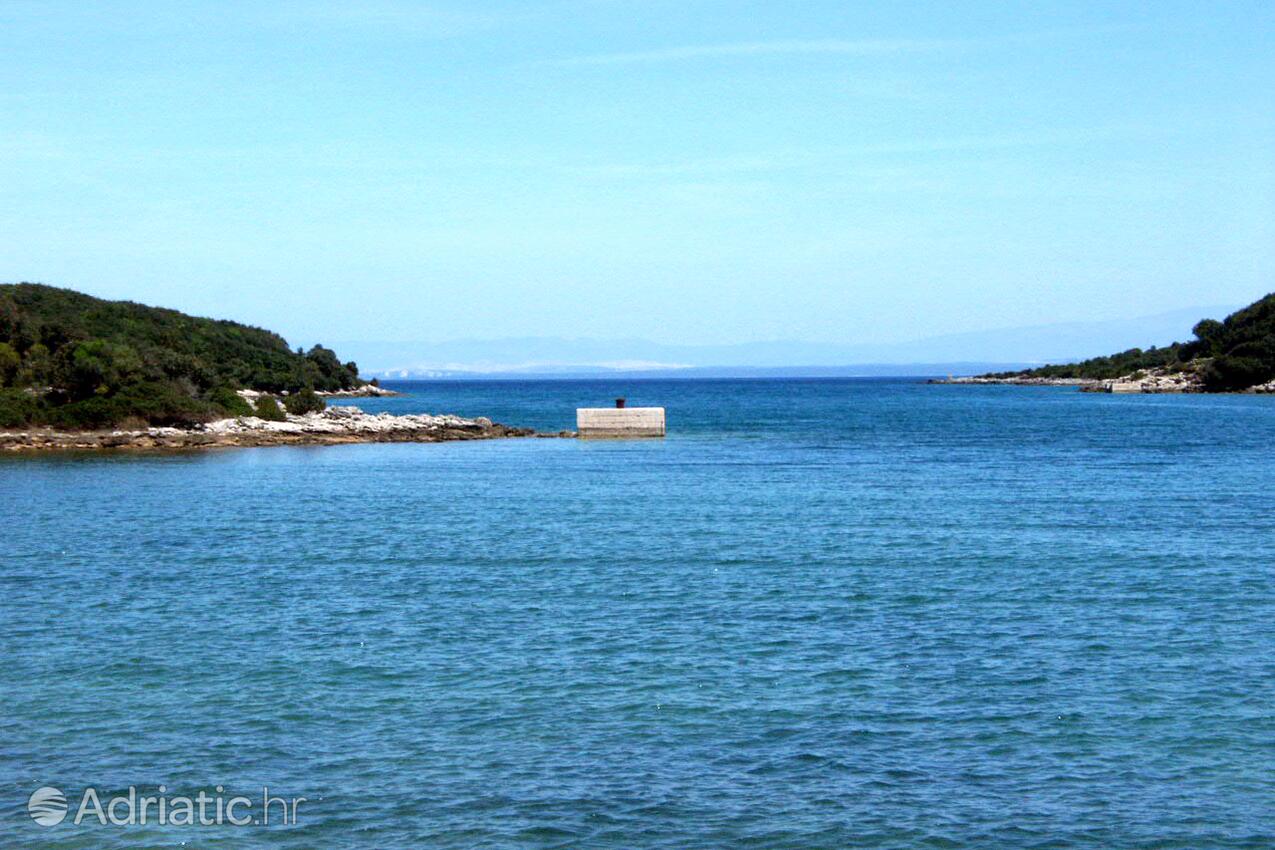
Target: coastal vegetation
303, 402
1229, 355
70, 360
269, 410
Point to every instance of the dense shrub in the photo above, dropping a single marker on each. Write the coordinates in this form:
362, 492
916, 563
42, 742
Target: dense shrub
229, 401
164, 404
268, 408
98, 412
19, 408
303, 402
1230, 373
151, 402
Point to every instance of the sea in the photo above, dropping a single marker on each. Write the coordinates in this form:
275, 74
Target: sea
819, 614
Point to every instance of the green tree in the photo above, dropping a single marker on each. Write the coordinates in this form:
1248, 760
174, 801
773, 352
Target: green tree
329, 373
19, 408
37, 367
1229, 373
99, 367
10, 362
1208, 330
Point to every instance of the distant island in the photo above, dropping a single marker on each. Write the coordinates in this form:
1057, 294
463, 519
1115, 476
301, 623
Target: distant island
82, 372
1236, 354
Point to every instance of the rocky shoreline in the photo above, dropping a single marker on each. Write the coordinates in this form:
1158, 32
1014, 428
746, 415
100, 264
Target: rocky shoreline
365, 391
1149, 381
334, 426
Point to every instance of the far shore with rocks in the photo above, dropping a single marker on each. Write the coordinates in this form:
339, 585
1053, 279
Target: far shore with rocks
333, 426
1017, 380
1149, 381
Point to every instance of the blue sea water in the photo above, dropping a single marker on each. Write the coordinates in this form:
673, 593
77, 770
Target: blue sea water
820, 614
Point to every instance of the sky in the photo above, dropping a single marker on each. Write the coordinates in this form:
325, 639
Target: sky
684, 172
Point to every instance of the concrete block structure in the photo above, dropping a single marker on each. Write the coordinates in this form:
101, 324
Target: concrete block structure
613, 422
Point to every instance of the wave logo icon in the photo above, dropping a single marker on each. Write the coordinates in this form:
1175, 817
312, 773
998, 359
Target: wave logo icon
47, 806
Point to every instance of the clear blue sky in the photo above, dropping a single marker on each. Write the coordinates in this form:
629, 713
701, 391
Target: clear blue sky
680, 171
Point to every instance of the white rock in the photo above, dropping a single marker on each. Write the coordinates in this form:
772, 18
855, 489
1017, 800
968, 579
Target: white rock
342, 420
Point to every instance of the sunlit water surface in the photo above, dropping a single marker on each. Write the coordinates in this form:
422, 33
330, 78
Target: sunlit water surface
819, 614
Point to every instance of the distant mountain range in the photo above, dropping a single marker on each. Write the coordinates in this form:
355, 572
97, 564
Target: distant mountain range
966, 353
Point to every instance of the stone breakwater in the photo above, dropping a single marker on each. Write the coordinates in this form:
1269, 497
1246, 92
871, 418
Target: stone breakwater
333, 426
